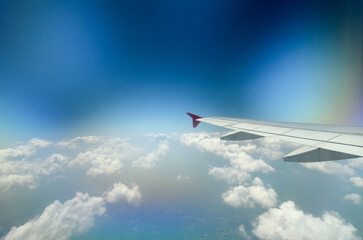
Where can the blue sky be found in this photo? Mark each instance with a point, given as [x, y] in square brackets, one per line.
[100, 67]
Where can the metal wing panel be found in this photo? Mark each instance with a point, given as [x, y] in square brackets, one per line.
[348, 139]
[274, 130]
[345, 139]
[319, 127]
[309, 134]
[217, 122]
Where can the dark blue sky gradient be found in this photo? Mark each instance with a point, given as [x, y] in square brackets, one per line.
[85, 67]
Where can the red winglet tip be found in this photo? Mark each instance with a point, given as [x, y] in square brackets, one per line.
[194, 117]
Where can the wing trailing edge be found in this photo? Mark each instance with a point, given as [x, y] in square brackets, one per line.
[240, 136]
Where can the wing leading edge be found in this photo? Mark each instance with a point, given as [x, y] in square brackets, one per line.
[322, 142]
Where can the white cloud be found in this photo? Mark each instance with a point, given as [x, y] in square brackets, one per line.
[273, 149]
[150, 160]
[331, 168]
[243, 232]
[181, 177]
[23, 150]
[250, 196]
[107, 158]
[238, 155]
[106, 166]
[25, 163]
[26, 172]
[67, 144]
[60, 221]
[36, 142]
[87, 139]
[242, 165]
[231, 175]
[54, 162]
[121, 191]
[7, 181]
[355, 198]
[15, 152]
[158, 135]
[288, 222]
[251, 165]
[78, 142]
[357, 181]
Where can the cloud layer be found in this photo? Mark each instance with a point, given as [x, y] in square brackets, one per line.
[25, 164]
[28, 164]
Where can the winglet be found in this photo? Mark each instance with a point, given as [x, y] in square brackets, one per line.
[194, 117]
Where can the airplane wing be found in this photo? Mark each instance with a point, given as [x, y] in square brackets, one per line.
[321, 142]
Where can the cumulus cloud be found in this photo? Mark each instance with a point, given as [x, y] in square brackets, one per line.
[18, 151]
[150, 160]
[288, 222]
[355, 198]
[23, 150]
[24, 164]
[250, 196]
[10, 180]
[78, 142]
[87, 139]
[357, 181]
[158, 135]
[36, 142]
[122, 192]
[60, 221]
[105, 159]
[54, 162]
[238, 155]
[26, 172]
[273, 149]
[242, 164]
[230, 174]
[266, 148]
[21, 165]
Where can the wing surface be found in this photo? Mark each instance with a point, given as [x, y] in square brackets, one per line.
[323, 142]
